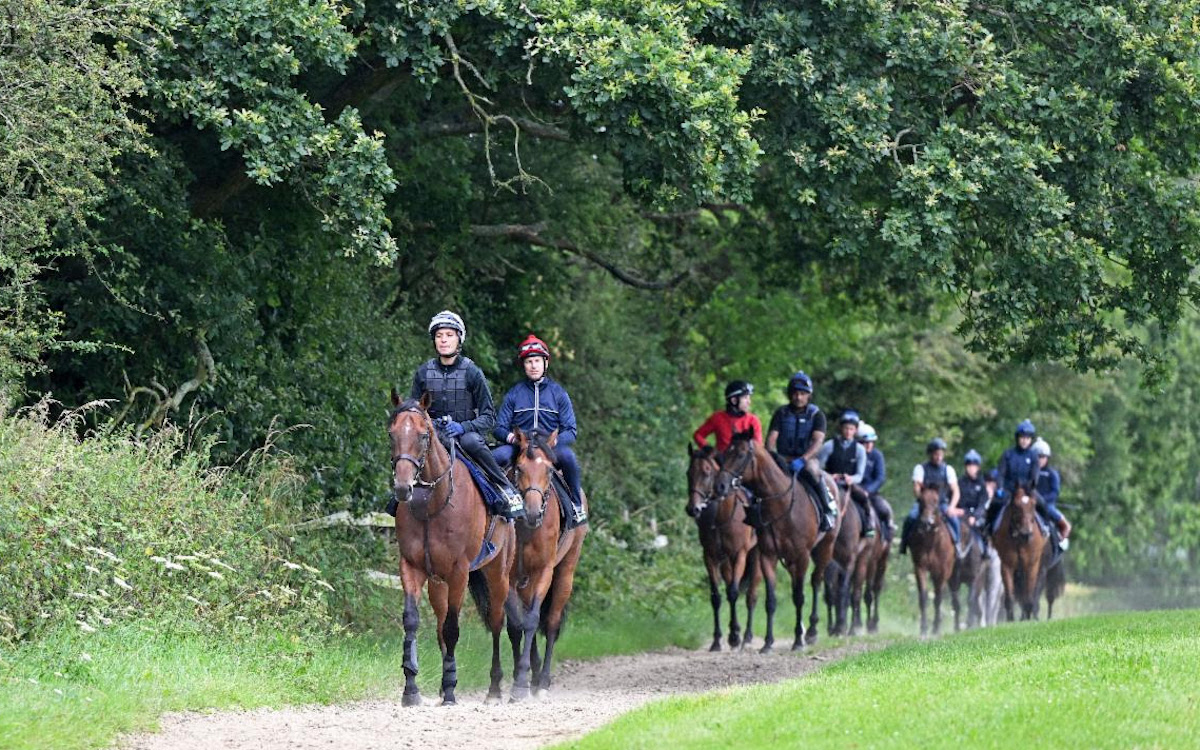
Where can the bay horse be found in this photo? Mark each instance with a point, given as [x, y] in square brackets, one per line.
[728, 542]
[789, 530]
[543, 567]
[1020, 543]
[875, 565]
[1055, 575]
[847, 570]
[978, 568]
[932, 551]
[441, 525]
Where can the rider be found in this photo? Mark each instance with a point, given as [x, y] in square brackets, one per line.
[1048, 486]
[461, 405]
[874, 477]
[539, 403]
[934, 473]
[973, 489]
[1018, 467]
[846, 460]
[796, 433]
[735, 418]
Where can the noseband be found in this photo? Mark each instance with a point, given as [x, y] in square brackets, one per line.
[544, 492]
[425, 440]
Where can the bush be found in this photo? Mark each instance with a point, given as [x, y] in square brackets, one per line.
[108, 528]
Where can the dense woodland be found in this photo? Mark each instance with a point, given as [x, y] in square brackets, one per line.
[240, 214]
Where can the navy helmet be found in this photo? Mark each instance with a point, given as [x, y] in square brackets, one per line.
[800, 382]
[937, 444]
[993, 475]
[849, 416]
[1026, 428]
[973, 457]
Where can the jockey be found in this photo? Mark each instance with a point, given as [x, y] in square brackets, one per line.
[934, 473]
[796, 433]
[846, 460]
[1048, 485]
[874, 477]
[735, 418]
[974, 492]
[539, 403]
[461, 403]
[1018, 467]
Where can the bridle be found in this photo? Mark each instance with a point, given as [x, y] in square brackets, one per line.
[544, 492]
[425, 440]
[704, 497]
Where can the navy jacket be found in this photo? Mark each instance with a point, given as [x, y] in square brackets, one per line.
[876, 472]
[543, 404]
[1017, 467]
[1048, 485]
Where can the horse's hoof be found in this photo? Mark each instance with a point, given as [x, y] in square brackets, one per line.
[519, 695]
[541, 694]
[449, 701]
[798, 645]
[811, 638]
[716, 646]
[493, 699]
[766, 649]
[734, 640]
[410, 699]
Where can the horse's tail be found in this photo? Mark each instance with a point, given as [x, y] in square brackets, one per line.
[478, 585]
[544, 616]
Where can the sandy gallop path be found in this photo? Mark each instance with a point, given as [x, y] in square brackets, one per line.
[586, 695]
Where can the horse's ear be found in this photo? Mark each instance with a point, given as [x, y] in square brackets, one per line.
[395, 398]
[744, 435]
[553, 439]
[519, 440]
[691, 449]
[426, 400]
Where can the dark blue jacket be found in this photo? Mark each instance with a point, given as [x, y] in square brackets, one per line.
[1017, 467]
[543, 404]
[1048, 485]
[876, 472]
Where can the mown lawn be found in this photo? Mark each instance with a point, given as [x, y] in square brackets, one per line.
[1129, 680]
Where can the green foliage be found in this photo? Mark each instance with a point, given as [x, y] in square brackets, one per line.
[107, 529]
[1021, 680]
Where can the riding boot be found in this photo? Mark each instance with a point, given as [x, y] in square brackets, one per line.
[510, 506]
[904, 535]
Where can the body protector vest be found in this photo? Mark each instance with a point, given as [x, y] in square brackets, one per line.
[844, 458]
[935, 476]
[972, 494]
[450, 390]
[795, 431]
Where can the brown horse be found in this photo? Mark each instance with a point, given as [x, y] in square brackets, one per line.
[932, 551]
[789, 531]
[848, 569]
[728, 542]
[441, 524]
[877, 565]
[1020, 543]
[543, 568]
[1054, 573]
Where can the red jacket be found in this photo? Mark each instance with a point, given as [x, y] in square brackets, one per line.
[725, 425]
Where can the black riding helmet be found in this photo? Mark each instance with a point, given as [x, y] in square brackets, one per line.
[737, 389]
[937, 444]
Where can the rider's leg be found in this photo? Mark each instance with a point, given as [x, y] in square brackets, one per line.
[1052, 513]
[570, 469]
[952, 522]
[503, 455]
[829, 517]
[909, 522]
[859, 495]
[474, 447]
[884, 510]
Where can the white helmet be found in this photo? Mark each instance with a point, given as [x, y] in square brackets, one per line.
[866, 433]
[1041, 448]
[447, 319]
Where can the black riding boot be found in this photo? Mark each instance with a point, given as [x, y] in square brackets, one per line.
[473, 445]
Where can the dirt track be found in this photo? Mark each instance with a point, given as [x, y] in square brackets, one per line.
[586, 695]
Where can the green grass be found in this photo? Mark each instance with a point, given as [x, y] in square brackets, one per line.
[74, 690]
[1125, 680]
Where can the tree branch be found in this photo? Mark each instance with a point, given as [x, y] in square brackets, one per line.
[531, 127]
[531, 234]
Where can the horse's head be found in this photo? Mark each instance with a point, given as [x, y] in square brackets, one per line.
[1022, 520]
[533, 464]
[411, 433]
[929, 506]
[701, 476]
[738, 464]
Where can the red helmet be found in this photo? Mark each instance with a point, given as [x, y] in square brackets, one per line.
[532, 346]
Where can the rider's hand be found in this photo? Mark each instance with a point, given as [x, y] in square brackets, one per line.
[1000, 493]
[454, 429]
[956, 512]
[512, 438]
[797, 464]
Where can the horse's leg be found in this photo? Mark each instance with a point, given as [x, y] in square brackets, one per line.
[496, 574]
[919, 572]
[447, 604]
[856, 590]
[822, 555]
[562, 585]
[798, 570]
[714, 597]
[755, 572]
[995, 590]
[1008, 582]
[767, 564]
[737, 569]
[939, 587]
[413, 579]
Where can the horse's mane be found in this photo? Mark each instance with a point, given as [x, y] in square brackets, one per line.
[535, 440]
[705, 451]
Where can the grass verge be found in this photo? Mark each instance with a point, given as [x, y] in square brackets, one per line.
[1106, 681]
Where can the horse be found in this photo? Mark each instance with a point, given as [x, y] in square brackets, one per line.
[978, 568]
[1020, 543]
[729, 545]
[847, 571]
[441, 526]
[543, 568]
[789, 530]
[1055, 575]
[932, 551]
[876, 574]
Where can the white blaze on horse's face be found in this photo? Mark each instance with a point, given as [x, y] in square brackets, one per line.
[1025, 500]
